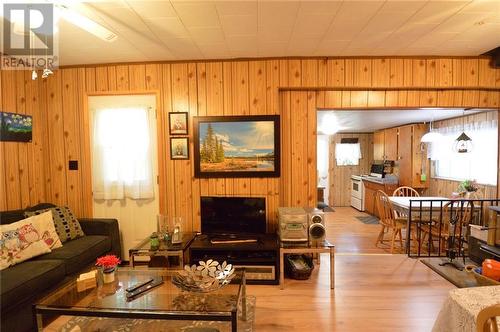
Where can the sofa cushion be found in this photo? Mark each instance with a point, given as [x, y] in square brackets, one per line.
[31, 277]
[21, 241]
[80, 252]
[8, 217]
[67, 226]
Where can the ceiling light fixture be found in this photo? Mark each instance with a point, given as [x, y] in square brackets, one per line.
[431, 136]
[330, 125]
[87, 24]
[463, 143]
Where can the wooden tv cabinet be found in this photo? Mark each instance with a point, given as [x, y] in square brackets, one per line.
[260, 259]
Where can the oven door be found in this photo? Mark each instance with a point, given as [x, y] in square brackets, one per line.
[357, 188]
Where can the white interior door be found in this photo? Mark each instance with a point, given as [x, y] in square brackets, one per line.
[136, 217]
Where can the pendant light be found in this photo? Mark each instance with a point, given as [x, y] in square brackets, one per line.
[463, 143]
[431, 135]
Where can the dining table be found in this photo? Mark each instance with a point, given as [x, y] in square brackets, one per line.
[461, 307]
[421, 208]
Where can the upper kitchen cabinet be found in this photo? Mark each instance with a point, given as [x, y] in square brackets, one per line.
[391, 143]
[378, 145]
[412, 157]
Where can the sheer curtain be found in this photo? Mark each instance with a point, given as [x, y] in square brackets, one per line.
[122, 160]
[479, 165]
[347, 154]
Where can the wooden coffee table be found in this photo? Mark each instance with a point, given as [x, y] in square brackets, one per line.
[165, 302]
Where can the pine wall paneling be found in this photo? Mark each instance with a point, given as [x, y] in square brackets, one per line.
[294, 88]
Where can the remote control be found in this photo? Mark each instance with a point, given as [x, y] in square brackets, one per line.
[139, 285]
[142, 289]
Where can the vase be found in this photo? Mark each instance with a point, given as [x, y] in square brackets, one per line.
[108, 277]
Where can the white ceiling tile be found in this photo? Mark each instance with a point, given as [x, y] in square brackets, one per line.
[320, 7]
[312, 23]
[242, 41]
[437, 11]
[357, 11]
[207, 35]
[402, 6]
[123, 19]
[234, 25]
[434, 40]
[274, 34]
[332, 47]
[344, 31]
[153, 9]
[168, 27]
[248, 7]
[197, 13]
[276, 13]
[482, 6]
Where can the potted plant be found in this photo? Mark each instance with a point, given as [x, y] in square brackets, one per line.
[108, 265]
[467, 187]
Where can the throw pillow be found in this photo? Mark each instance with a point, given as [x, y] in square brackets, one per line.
[67, 226]
[20, 241]
[44, 224]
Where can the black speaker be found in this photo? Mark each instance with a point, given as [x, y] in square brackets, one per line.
[495, 57]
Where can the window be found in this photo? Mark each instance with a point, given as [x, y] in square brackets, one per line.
[347, 154]
[122, 154]
[479, 165]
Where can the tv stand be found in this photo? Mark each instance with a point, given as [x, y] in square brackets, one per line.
[260, 258]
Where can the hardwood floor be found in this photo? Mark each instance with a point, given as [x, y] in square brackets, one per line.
[376, 292]
[351, 235]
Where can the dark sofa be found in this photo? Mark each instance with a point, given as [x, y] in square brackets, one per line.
[23, 284]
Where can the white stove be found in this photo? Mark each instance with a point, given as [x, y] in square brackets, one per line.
[357, 192]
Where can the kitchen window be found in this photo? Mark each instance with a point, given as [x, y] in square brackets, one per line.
[479, 165]
[347, 154]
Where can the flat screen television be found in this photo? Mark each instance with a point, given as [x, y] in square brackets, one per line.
[237, 216]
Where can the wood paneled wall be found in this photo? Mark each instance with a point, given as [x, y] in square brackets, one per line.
[340, 176]
[294, 88]
[442, 187]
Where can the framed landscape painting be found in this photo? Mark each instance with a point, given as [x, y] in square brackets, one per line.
[15, 127]
[237, 146]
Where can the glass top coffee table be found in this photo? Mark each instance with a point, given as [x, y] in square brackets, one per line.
[165, 249]
[165, 302]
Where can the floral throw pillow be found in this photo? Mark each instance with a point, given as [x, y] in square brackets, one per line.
[20, 241]
[66, 224]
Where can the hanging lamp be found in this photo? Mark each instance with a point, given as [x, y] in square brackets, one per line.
[463, 143]
[431, 135]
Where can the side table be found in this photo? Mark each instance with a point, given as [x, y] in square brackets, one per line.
[326, 247]
[165, 249]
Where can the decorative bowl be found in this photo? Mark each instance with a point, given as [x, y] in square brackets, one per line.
[206, 277]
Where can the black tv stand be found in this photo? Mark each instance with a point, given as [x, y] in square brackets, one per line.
[260, 258]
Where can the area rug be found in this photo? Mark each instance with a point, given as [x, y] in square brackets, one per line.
[461, 279]
[369, 220]
[99, 324]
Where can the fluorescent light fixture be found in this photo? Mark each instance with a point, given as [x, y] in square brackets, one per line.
[87, 24]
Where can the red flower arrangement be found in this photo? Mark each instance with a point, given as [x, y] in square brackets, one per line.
[108, 262]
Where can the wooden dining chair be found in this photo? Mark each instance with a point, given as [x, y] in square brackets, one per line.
[405, 191]
[388, 220]
[440, 230]
[487, 319]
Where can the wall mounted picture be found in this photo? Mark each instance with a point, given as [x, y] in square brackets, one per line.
[179, 148]
[178, 123]
[237, 146]
[15, 127]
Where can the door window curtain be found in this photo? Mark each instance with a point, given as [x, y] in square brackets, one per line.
[479, 165]
[122, 159]
[347, 154]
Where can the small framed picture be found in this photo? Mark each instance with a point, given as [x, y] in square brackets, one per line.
[178, 123]
[179, 148]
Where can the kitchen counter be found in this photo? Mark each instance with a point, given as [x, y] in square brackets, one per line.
[379, 181]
